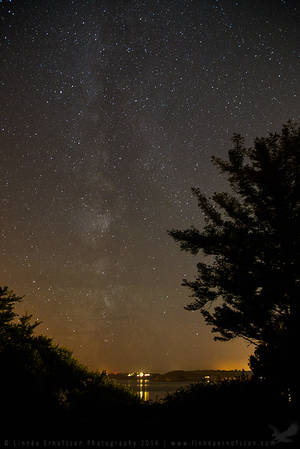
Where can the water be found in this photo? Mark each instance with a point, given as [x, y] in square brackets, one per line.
[152, 391]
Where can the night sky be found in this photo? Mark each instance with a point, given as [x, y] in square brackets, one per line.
[110, 112]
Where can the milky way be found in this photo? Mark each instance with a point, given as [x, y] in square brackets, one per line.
[110, 113]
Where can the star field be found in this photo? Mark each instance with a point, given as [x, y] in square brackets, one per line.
[109, 113]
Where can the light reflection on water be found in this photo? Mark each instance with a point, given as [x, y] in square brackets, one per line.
[153, 391]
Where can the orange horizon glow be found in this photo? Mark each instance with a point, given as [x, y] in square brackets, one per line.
[222, 368]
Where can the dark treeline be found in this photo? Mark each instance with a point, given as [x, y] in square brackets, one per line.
[47, 393]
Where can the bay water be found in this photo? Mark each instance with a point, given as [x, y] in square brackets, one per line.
[152, 391]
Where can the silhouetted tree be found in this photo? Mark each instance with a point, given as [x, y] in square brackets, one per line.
[251, 288]
[36, 375]
[44, 387]
[46, 393]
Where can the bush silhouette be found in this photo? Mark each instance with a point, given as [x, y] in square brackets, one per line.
[45, 389]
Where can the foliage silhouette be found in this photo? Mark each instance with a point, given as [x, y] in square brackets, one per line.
[44, 387]
[229, 410]
[47, 394]
[251, 289]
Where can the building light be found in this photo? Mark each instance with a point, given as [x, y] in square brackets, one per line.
[139, 374]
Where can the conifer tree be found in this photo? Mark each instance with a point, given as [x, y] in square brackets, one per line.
[251, 289]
